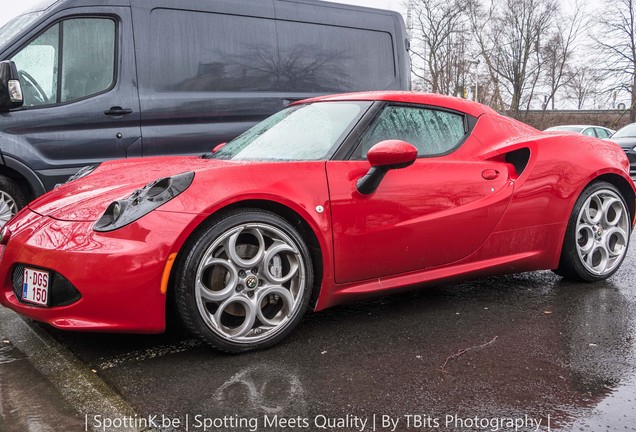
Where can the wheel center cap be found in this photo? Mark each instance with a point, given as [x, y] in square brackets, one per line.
[251, 282]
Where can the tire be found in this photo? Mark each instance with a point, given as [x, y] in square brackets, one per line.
[11, 199]
[597, 235]
[243, 281]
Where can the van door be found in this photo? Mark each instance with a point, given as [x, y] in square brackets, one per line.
[81, 104]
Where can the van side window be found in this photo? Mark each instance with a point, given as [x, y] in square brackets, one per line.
[217, 52]
[322, 58]
[432, 132]
[71, 60]
[213, 52]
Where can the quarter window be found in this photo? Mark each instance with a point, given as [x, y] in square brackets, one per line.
[71, 60]
[431, 131]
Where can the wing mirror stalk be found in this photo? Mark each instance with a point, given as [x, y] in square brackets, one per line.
[385, 156]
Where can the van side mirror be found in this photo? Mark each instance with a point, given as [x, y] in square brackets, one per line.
[10, 88]
[385, 156]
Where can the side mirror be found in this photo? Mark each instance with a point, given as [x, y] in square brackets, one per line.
[10, 89]
[385, 156]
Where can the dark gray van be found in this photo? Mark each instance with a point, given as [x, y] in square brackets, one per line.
[82, 81]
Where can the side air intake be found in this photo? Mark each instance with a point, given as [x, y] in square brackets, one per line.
[519, 158]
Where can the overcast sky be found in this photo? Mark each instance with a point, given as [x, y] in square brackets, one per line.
[11, 9]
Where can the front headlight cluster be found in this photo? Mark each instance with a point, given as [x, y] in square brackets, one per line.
[141, 202]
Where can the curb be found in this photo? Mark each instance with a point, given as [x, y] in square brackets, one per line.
[77, 384]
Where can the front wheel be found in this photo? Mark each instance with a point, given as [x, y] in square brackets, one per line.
[244, 280]
[597, 235]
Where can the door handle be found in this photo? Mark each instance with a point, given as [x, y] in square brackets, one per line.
[490, 174]
[117, 111]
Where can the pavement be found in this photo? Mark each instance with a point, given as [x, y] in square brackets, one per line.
[44, 387]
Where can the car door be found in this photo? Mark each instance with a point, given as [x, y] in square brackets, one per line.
[81, 105]
[435, 212]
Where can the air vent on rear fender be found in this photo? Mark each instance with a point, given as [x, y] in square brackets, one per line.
[519, 158]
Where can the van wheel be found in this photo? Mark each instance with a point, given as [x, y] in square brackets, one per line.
[11, 199]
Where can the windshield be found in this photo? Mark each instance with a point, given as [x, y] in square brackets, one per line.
[627, 131]
[303, 132]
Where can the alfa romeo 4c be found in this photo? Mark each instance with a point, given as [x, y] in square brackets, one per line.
[330, 200]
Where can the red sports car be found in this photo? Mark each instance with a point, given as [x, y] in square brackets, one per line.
[330, 200]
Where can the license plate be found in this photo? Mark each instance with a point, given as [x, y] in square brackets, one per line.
[35, 288]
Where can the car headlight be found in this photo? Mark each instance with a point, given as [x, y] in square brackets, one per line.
[141, 202]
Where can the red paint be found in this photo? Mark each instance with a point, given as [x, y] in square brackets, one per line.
[464, 215]
[391, 152]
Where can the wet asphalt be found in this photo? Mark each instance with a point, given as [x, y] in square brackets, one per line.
[471, 356]
[27, 400]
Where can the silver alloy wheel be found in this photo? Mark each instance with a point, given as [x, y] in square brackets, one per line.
[250, 283]
[602, 232]
[8, 208]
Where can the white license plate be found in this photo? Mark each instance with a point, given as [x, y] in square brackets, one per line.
[35, 288]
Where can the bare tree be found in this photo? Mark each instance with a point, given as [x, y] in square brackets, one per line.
[616, 43]
[557, 52]
[480, 20]
[438, 42]
[509, 34]
[583, 84]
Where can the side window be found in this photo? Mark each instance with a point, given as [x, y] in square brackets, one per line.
[431, 131]
[589, 132]
[212, 52]
[601, 133]
[322, 58]
[71, 60]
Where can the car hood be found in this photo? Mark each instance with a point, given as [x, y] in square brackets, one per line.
[86, 199]
[626, 143]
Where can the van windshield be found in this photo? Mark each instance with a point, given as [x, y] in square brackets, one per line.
[15, 26]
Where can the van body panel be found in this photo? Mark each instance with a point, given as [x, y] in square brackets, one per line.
[187, 75]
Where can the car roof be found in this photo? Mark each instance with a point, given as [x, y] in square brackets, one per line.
[449, 102]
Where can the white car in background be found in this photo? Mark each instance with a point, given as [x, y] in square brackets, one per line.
[590, 130]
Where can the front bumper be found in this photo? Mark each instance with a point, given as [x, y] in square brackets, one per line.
[118, 274]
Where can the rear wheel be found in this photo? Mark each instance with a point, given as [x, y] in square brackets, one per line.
[11, 199]
[244, 280]
[597, 235]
